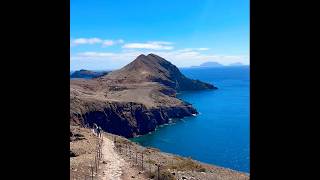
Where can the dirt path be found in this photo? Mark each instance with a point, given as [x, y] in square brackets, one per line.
[116, 168]
[114, 163]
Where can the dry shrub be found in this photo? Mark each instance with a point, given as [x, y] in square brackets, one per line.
[187, 164]
[164, 175]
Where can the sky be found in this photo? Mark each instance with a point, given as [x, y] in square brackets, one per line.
[108, 34]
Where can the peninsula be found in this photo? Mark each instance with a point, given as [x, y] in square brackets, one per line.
[135, 99]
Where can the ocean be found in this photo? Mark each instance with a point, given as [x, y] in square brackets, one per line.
[219, 135]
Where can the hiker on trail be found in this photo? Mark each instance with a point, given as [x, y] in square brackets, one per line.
[95, 129]
[99, 131]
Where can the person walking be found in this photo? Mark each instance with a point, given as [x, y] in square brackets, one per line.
[99, 131]
[95, 129]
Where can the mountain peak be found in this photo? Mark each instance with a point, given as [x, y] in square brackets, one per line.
[154, 55]
[153, 68]
[141, 56]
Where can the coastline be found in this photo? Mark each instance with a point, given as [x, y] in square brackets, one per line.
[166, 141]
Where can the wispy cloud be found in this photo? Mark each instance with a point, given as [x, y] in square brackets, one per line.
[154, 45]
[95, 54]
[112, 42]
[202, 49]
[91, 41]
[81, 41]
[192, 49]
[180, 57]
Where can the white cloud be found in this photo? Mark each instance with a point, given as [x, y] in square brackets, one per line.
[154, 45]
[108, 43]
[161, 42]
[202, 49]
[111, 42]
[81, 41]
[193, 49]
[91, 41]
[95, 54]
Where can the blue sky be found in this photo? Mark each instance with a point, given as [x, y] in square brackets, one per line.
[107, 34]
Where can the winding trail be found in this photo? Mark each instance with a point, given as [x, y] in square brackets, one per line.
[116, 168]
[114, 163]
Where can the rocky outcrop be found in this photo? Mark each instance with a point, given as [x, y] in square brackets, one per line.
[133, 100]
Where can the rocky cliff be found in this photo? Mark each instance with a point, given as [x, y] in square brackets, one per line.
[133, 100]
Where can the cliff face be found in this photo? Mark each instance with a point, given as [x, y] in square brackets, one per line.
[130, 119]
[133, 100]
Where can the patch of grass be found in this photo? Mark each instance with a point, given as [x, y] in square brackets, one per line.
[152, 149]
[202, 169]
[150, 161]
[164, 175]
[151, 175]
[186, 164]
[123, 141]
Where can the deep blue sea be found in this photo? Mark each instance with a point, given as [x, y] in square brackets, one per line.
[219, 135]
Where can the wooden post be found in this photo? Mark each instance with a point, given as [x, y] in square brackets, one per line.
[142, 161]
[136, 157]
[129, 152]
[91, 171]
[149, 165]
[127, 149]
[95, 161]
[99, 150]
[158, 165]
[97, 155]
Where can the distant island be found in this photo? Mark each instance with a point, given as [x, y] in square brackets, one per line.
[211, 64]
[236, 64]
[87, 74]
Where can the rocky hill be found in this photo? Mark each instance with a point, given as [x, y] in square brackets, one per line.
[134, 99]
[153, 68]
